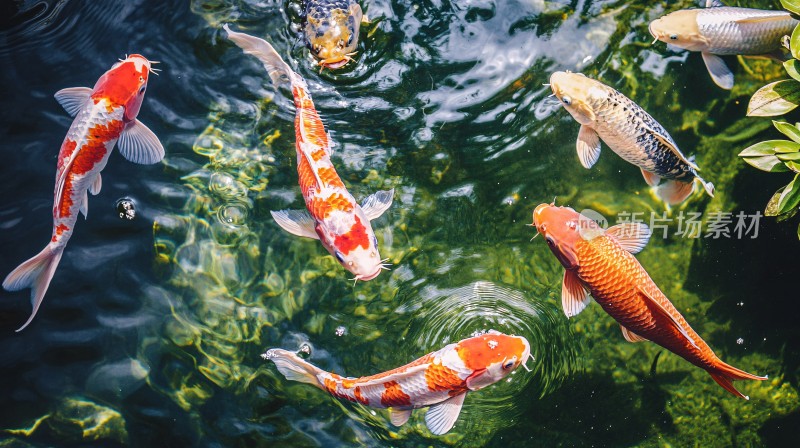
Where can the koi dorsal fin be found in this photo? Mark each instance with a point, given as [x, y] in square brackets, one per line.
[658, 307]
[714, 4]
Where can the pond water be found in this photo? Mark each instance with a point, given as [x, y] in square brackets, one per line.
[151, 331]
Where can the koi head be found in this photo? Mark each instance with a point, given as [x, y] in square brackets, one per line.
[492, 356]
[562, 229]
[354, 245]
[577, 93]
[679, 28]
[124, 84]
[333, 39]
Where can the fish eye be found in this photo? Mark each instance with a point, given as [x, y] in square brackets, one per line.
[141, 90]
[375, 240]
[510, 363]
[566, 100]
[339, 256]
[550, 241]
[673, 36]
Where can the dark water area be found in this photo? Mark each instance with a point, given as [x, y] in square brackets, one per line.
[151, 330]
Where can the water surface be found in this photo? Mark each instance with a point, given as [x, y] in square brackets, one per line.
[151, 331]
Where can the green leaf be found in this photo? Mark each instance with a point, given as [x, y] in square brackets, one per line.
[794, 166]
[788, 157]
[794, 42]
[798, 231]
[776, 98]
[770, 147]
[792, 67]
[788, 130]
[791, 5]
[790, 197]
[772, 205]
[770, 164]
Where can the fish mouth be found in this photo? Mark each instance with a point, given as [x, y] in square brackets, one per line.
[336, 62]
[364, 278]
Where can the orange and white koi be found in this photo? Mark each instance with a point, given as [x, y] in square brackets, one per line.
[723, 30]
[104, 116]
[600, 263]
[439, 380]
[604, 113]
[333, 216]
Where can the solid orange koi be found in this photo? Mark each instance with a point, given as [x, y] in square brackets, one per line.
[600, 264]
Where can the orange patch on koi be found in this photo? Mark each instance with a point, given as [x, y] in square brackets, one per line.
[359, 397]
[329, 177]
[357, 236]
[394, 396]
[318, 154]
[439, 377]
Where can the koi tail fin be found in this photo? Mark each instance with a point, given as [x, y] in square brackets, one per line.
[293, 367]
[36, 274]
[725, 374]
[279, 71]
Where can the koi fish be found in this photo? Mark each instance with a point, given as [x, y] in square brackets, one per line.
[723, 30]
[629, 131]
[332, 216]
[331, 30]
[439, 380]
[104, 116]
[600, 263]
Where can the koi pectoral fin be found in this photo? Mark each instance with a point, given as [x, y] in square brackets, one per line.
[377, 203]
[139, 144]
[719, 71]
[296, 222]
[441, 417]
[588, 146]
[574, 296]
[72, 99]
[399, 417]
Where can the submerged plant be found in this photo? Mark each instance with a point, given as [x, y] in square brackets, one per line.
[776, 156]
